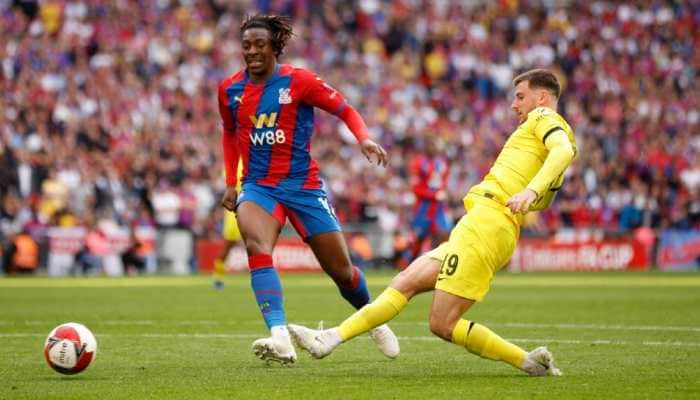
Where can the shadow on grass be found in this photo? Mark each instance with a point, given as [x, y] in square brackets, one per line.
[342, 369]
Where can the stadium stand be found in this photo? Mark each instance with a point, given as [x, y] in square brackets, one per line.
[108, 109]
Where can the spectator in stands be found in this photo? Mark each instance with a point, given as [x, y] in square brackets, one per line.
[99, 84]
[21, 255]
[90, 258]
[132, 258]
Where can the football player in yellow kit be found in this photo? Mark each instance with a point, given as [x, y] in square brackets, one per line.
[525, 177]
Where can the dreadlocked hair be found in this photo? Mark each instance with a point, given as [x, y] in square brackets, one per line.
[279, 26]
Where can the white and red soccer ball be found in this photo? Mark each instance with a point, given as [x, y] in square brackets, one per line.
[70, 348]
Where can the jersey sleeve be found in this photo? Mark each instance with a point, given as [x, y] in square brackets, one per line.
[320, 94]
[228, 138]
[227, 118]
[550, 130]
[550, 177]
[545, 122]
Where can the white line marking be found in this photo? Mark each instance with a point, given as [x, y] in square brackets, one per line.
[602, 327]
[674, 343]
[578, 326]
[403, 338]
[199, 335]
[314, 323]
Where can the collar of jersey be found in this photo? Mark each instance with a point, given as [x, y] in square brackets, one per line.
[272, 77]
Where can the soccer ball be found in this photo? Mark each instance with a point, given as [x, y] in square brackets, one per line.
[70, 348]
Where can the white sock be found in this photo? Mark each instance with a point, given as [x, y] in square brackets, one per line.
[332, 337]
[280, 332]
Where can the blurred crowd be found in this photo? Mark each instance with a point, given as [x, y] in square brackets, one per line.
[108, 110]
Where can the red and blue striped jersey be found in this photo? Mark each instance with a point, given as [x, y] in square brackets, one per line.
[429, 176]
[269, 125]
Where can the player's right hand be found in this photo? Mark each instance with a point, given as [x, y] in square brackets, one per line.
[229, 199]
[369, 147]
[521, 201]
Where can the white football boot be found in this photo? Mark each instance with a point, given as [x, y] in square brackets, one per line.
[386, 340]
[277, 348]
[540, 362]
[319, 343]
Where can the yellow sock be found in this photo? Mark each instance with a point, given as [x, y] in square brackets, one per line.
[219, 268]
[385, 307]
[483, 342]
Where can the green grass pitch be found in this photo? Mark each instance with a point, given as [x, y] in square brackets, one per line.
[634, 335]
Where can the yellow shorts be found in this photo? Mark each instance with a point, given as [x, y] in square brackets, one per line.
[230, 230]
[480, 244]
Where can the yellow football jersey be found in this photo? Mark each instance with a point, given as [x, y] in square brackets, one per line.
[522, 157]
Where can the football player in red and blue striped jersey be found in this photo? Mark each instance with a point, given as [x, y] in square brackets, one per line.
[268, 119]
[429, 173]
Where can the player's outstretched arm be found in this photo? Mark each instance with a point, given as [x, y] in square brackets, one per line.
[320, 94]
[357, 126]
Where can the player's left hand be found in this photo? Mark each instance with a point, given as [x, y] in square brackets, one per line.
[369, 147]
[521, 201]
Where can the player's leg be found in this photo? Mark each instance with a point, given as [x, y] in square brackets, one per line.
[420, 228]
[312, 216]
[441, 226]
[259, 220]
[479, 245]
[466, 271]
[415, 247]
[220, 265]
[332, 254]
[446, 322]
[260, 231]
[231, 235]
[417, 278]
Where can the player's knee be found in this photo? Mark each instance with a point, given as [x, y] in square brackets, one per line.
[440, 327]
[342, 275]
[404, 283]
[254, 246]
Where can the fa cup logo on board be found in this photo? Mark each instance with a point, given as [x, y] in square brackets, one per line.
[285, 97]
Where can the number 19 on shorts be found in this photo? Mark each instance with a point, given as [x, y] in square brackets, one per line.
[449, 265]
